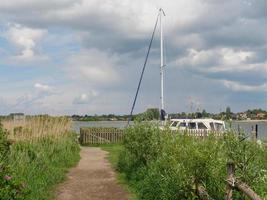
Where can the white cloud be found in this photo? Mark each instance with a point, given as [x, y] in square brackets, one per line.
[236, 86]
[85, 98]
[218, 60]
[42, 87]
[232, 57]
[94, 67]
[25, 39]
[220, 45]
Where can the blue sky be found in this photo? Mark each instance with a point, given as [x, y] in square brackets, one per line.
[85, 56]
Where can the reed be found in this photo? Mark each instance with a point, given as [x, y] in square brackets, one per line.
[34, 156]
[37, 127]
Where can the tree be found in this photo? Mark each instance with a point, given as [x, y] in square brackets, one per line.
[228, 112]
[150, 114]
[204, 113]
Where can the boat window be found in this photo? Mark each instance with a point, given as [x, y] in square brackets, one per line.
[212, 126]
[218, 127]
[174, 124]
[201, 125]
[182, 124]
[192, 125]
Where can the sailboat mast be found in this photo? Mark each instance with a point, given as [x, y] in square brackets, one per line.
[161, 60]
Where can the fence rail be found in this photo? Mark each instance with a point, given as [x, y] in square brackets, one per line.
[95, 135]
[105, 135]
[232, 184]
[199, 133]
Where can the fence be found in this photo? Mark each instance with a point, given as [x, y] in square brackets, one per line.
[200, 133]
[232, 183]
[96, 135]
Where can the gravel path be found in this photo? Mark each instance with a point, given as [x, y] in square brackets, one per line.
[92, 179]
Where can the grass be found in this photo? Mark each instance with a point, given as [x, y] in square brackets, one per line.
[38, 157]
[162, 165]
[33, 128]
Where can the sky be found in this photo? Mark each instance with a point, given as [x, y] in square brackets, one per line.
[64, 57]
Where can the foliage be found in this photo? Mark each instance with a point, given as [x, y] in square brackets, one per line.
[43, 163]
[42, 149]
[10, 187]
[163, 165]
[37, 127]
[228, 112]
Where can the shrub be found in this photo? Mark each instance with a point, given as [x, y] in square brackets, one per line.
[10, 187]
[163, 165]
[43, 149]
[142, 145]
[43, 163]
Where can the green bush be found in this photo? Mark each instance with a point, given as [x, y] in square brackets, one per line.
[142, 145]
[10, 187]
[43, 163]
[30, 169]
[163, 165]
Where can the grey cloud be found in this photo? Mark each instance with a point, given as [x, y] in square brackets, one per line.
[237, 25]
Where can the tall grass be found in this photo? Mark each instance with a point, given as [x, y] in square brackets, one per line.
[40, 152]
[37, 127]
[163, 165]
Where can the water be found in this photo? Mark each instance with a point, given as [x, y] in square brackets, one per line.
[116, 124]
[244, 126]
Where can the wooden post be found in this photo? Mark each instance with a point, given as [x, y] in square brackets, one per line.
[247, 191]
[256, 132]
[253, 133]
[230, 178]
[202, 193]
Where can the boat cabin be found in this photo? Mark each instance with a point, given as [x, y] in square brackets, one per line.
[197, 124]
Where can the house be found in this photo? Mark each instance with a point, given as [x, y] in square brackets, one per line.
[261, 115]
[242, 115]
[18, 117]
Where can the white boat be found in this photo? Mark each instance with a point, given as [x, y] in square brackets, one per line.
[197, 125]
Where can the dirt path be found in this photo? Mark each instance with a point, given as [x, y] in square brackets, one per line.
[92, 179]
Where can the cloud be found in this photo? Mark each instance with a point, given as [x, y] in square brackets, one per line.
[209, 53]
[93, 67]
[238, 87]
[25, 39]
[218, 59]
[42, 87]
[85, 98]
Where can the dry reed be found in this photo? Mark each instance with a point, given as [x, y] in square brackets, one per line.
[37, 127]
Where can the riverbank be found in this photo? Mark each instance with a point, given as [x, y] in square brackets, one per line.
[252, 121]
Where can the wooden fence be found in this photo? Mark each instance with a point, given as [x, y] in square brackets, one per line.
[232, 184]
[96, 135]
[199, 133]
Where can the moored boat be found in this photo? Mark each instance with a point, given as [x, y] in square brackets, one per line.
[197, 125]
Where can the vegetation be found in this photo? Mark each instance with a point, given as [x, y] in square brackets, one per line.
[36, 159]
[162, 165]
[113, 157]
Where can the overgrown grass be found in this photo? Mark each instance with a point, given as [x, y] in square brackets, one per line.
[33, 128]
[162, 165]
[37, 162]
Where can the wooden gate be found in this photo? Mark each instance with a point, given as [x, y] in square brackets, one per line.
[96, 135]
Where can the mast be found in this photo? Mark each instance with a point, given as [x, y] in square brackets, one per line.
[161, 61]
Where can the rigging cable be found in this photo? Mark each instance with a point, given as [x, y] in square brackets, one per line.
[143, 70]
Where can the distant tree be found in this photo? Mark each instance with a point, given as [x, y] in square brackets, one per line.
[152, 113]
[228, 112]
[204, 113]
